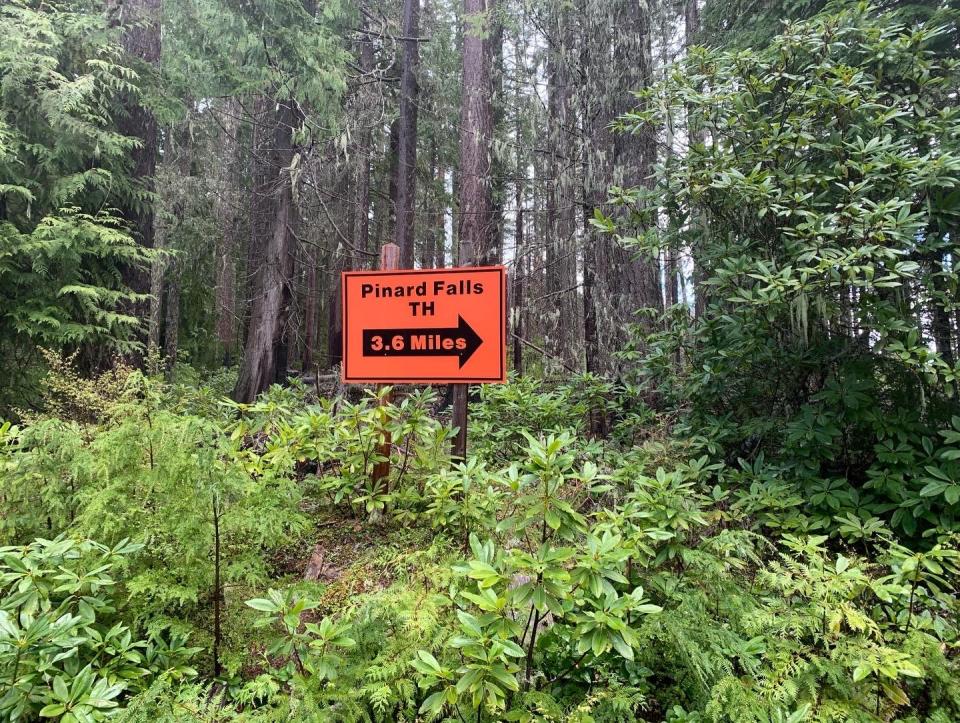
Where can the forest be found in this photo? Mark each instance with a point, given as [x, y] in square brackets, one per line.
[718, 481]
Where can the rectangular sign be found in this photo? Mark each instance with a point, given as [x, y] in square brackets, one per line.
[428, 326]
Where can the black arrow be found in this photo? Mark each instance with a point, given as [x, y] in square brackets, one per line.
[460, 341]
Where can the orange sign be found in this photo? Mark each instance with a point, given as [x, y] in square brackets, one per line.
[429, 326]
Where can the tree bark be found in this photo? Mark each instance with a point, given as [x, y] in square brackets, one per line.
[432, 195]
[691, 21]
[624, 281]
[518, 272]
[407, 135]
[173, 200]
[561, 319]
[440, 252]
[498, 187]
[264, 160]
[310, 311]
[140, 39]
[394, 161]
[171, 331]
[940, 316]
[670, 250]
[362, 224]
[476, 129]
[157, 270]
[691, 28]
[519, 250]
[475, 207]
[335, 312]
[264, 357]
[225, 272]
[591, 340]
[633, 163]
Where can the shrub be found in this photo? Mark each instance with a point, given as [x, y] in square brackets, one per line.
[64, 651]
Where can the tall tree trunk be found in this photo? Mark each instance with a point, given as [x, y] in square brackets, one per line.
[560, 274]
[157, 270]
[225, 271]
[173, 201]
[691, 29]
[407, 130]
[340, 259]
[171, 331]
[591, 336]
[328, 337]
[476, 130]
[310, 310]
[594, 62]
[430, 201]
[361, 226]
[182, 161]
[633, 162]
[498, 165]
[263, 174]
[625, 283]
[519, 250]
[335, 313]
[671, 251]
[266, 350]
[365, 105]
[940, 316]
[519, 255]
[440, 253]
[455, 217]
[385, 193]
[264, 357]
[691, 21]
[140, 39]
[394, 161]
[536, 240]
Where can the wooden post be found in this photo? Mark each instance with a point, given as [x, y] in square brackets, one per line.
[461, 392]
[389, 261]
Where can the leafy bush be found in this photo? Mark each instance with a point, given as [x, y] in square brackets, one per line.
[340, 447]
[528, 406]
[818, 194]
[578, 580]
[64, 651]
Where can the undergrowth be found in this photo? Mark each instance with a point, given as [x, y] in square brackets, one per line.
[551, 576]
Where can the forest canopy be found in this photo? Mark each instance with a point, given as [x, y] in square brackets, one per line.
[721, 481]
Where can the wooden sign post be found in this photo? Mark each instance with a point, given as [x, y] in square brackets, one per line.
[389, 261]
[425, 326]
[461, 394]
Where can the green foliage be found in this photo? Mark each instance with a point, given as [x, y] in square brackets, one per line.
[738, 24]
[567, 584]
[577, 581]
[819, 198]
[65, 653]
[531, 407]
[272, 46]
[308, 652]
[780, 545]
[175, 484]
[338, 445]
[63, 167]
